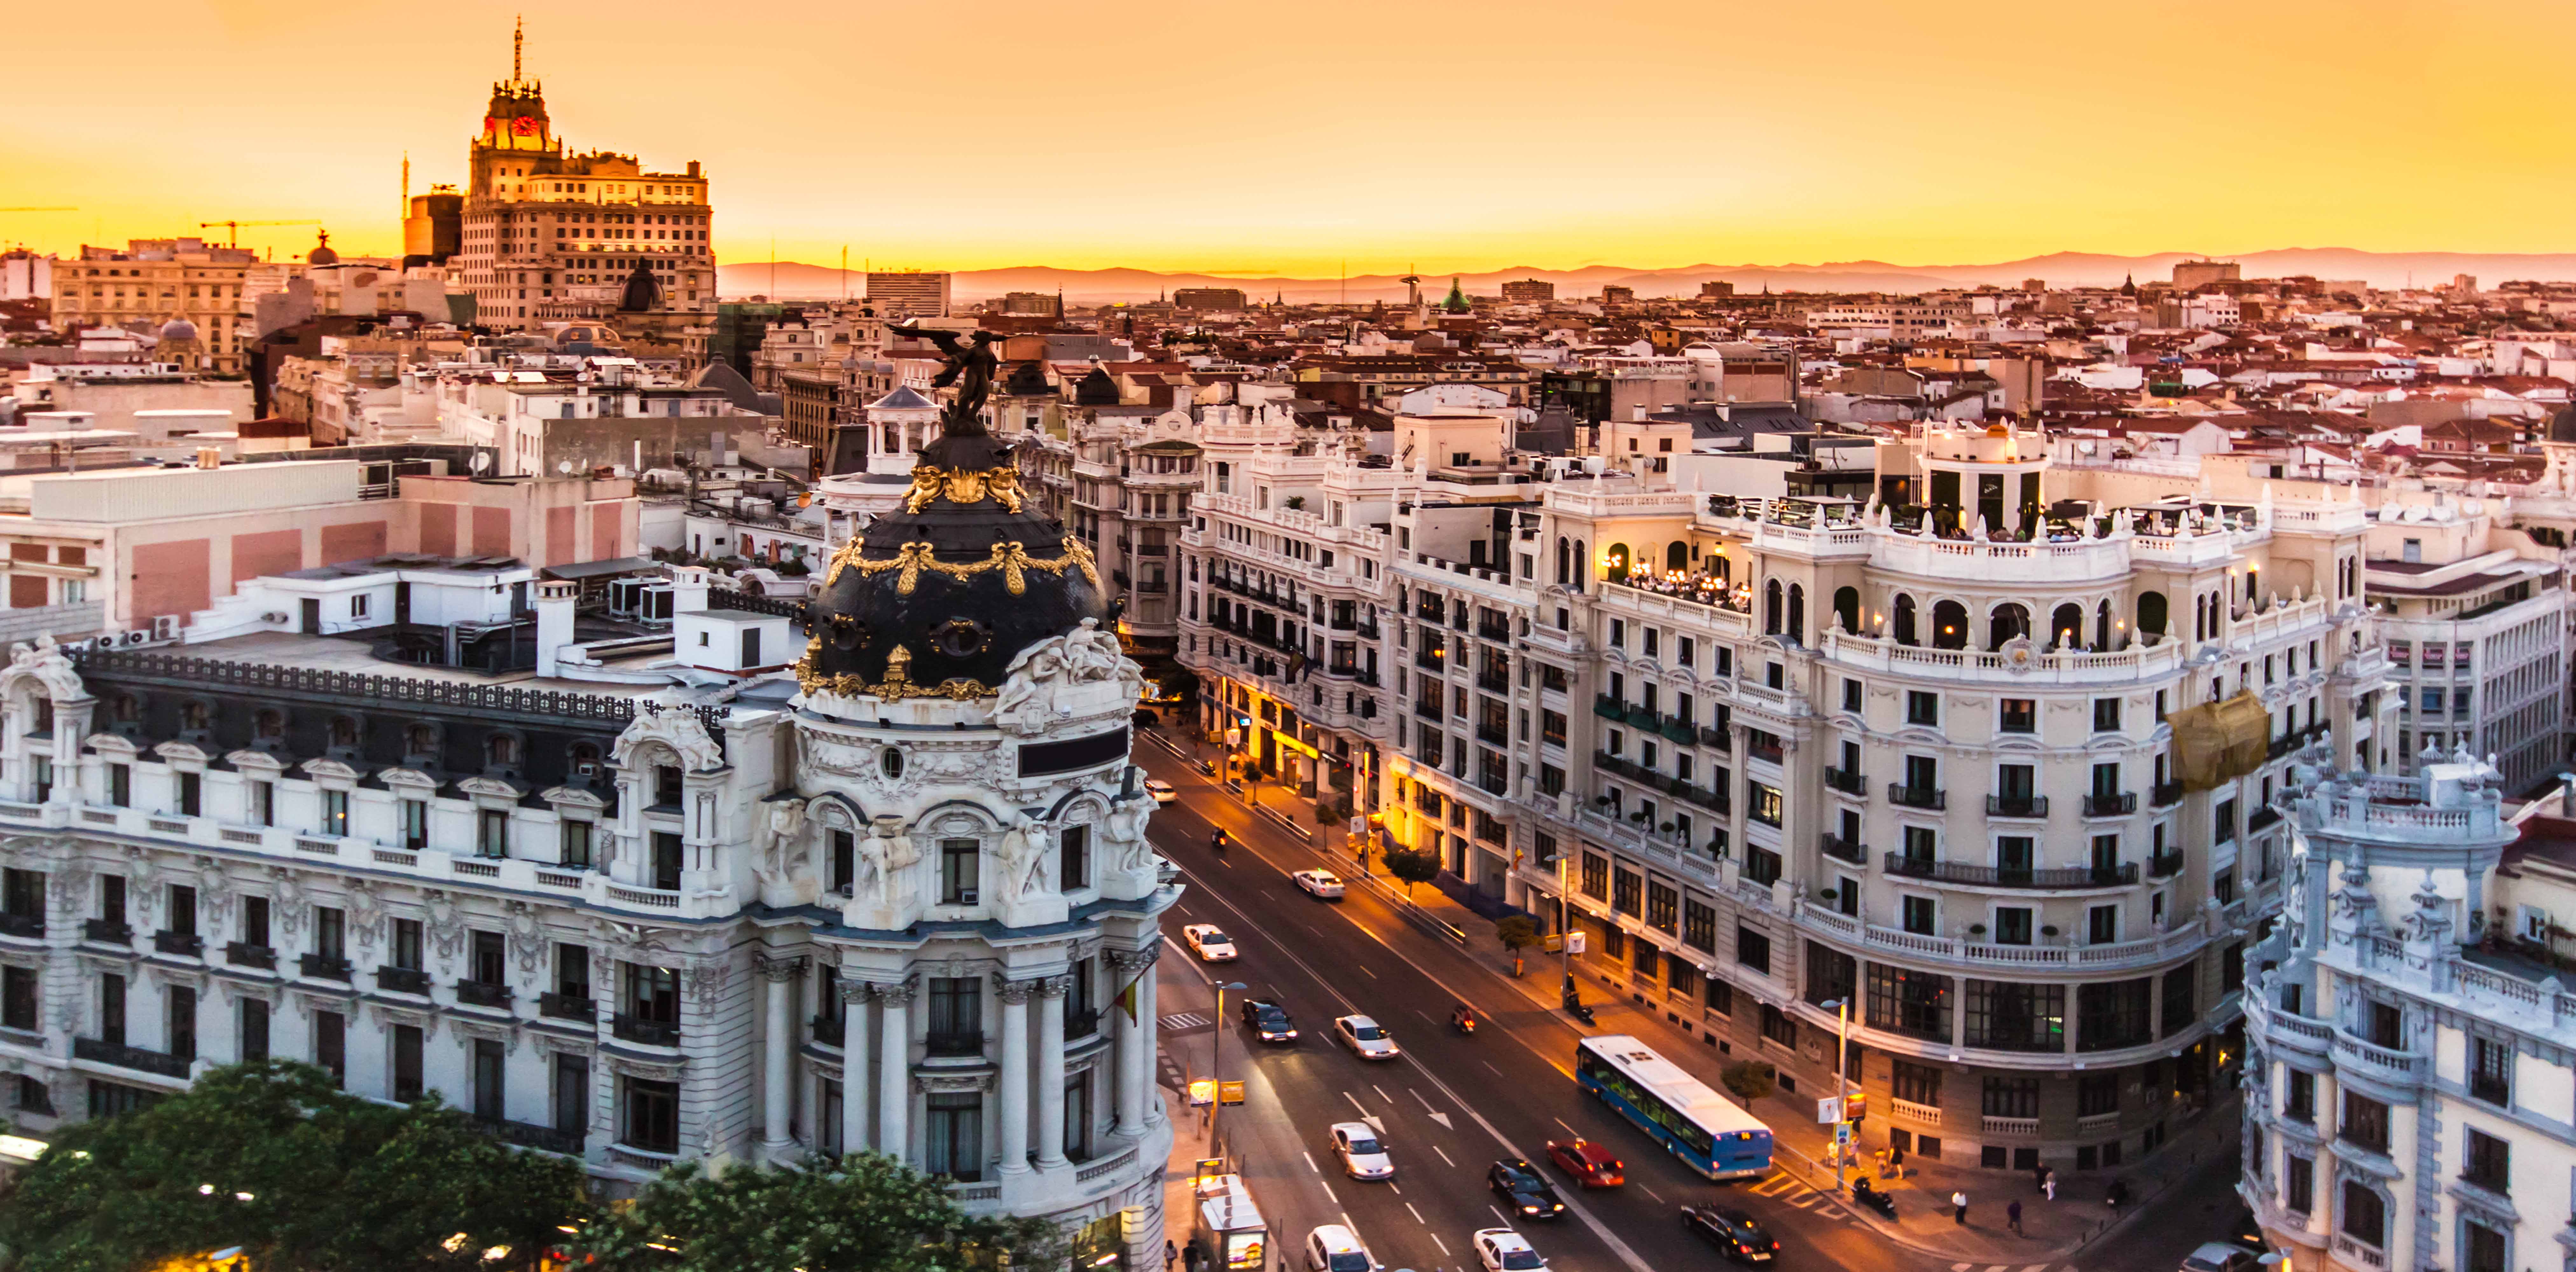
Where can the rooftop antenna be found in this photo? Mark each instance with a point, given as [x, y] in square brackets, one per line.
[518, 39]
[406, 184]
[845, 273]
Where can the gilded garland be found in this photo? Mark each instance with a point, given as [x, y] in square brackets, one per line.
[1011, 558]
[898, 681]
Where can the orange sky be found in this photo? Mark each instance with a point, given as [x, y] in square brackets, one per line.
[1266, 138]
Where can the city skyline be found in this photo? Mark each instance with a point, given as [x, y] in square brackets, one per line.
[1738, 139]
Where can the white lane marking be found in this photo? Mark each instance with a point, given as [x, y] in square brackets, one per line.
[1310, 1161]
[1381, 1093]
[1659, 1197]
[1417, 1218]
[1364, 967]
[1390, 1187]
[1499, 1216]
[1619, 1249]
[1444, 1156]
[1355, 1103]
[1328, 1191]
[1961, 1267]
[1561, 1122]
[1435, 1240]
[1499, 1073]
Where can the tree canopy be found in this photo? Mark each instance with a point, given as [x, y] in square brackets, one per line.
[273, 1158]
[863, 1213]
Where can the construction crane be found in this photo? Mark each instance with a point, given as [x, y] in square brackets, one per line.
[232, 229]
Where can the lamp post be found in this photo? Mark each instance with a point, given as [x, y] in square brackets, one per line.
[1216, 1067]
[1842, 1084]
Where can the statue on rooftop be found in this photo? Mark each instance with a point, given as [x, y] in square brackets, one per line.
[971, 364]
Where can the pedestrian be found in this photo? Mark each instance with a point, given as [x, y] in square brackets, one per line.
[1959, 1208]
[2119, 1195]
[1170, 1252]
[1190, 1257]
[2048, 1184]
[2012, 1216]
[2038, 1177]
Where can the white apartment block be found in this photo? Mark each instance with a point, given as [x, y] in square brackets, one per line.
[2408, 1075]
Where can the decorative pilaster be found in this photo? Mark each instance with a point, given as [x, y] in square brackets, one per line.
[778, 1052]
[1051, 1071]
[854, 1062]
[1015, 1073]
[1134, 1069]
[894, 1080]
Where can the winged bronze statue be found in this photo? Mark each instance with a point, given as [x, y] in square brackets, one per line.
[971, 364]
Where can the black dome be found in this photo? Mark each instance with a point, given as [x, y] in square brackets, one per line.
[2562, 426]
[643, 292]
[961, 579]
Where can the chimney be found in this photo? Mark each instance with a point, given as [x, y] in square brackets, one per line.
[556, 601]
[209, 457]
[688, 589]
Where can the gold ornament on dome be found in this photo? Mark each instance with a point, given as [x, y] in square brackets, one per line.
[1012, 559]
[958, 486]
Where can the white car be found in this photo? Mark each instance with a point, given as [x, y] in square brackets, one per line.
[1366, 1037]
[1362, 1156]
[1208, 943]
[1503, 1250]
[1161, 790]
[1322, 883]
[1334, 1248]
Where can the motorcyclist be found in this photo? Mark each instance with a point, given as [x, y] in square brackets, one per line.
[1463, 1017]
[1216, 839]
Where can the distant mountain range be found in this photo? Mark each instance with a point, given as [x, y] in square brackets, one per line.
[792, 280]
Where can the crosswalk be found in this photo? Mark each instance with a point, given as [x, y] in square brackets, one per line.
[1181, 1020]
[1782, 1187]
[2012, 1267]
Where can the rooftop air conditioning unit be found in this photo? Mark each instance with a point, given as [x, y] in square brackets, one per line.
[134, 638]
[273, 616]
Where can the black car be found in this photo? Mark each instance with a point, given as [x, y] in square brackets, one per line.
[1269, 1020]
[1528, 1193]
[2247, 1234]
[1733, 1231]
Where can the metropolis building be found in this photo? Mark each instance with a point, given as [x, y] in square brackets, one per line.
[892, 902]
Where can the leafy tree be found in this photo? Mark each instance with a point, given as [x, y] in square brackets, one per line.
[863, 1213]
[1749, 1080]
[273, 1158]
[1517, 932]
[1412, 867]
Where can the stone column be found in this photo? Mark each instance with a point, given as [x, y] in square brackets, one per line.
[1133, 1075]
[1148, 1027]
[1051, 1071]
[1015, 1073]
[854, 1063]
[894, 1083]
[778, 1054]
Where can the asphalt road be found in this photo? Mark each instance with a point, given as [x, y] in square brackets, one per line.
[1451, 1105]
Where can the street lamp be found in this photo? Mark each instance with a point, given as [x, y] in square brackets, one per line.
[1842, 1085]
[1216, 1056]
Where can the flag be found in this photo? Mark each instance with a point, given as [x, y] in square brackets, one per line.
[1127, 997]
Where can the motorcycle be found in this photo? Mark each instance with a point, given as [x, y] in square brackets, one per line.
[1865, 1195]
[1207, 768]
[1462, 1020]
[1216, 842]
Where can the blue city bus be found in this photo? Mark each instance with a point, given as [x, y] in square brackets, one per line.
[1699, 1126]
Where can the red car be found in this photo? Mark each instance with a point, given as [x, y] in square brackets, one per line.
[1591, 1165]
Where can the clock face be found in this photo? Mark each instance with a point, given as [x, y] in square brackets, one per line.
[523, 126]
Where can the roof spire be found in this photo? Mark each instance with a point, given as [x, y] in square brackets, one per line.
[518, 39]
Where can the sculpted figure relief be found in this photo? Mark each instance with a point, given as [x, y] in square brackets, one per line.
[51, 667]
[1087, 655]
[785, 828]
[1023, 858]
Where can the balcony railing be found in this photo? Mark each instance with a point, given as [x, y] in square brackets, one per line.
[965, 1043]
[2164, 794]
[101, 1051]
[653, 1033]
[322, 967]
[2262, 817]
[243, 954]
[482, 993]
[1679, 730]
[2109, 805]
[2164, 865]
[179, 944]
[1846, 849]
[1081, 1024]
[31, 925]
[2011, 876]
[1494, 734]
[402, 980]
[1722, 739]
[1847, 781]
[107, 932]
[1609, 708]
[2016, 806]
[1493, 682]
[1903, 796]
[531, 1135]
[567, 1007]
[1494, 631]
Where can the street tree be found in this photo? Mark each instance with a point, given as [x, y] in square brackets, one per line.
[275, 1159]
[1517, 932]
[865, 1212]
[1412, 867]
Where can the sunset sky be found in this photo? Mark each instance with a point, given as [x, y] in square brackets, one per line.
[1290, 138]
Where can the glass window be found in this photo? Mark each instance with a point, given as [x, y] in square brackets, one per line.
[2016, 1016]
[1913, 1003]
[1917, 1083]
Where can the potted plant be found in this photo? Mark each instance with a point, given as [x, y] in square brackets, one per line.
[1976, 929]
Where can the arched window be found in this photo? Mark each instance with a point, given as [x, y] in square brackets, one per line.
[269, 722]
[2152, 615]
[344, 733]
[1582, 553]
[2005, 622]
[1949, 625]
[421, 739]
[1771, 608]
[1721, 569]
[1562, 548]
[1614, 563]
[1677, 555]
[501, 750]
[1798, 613]
[195, 716]
[2066, 626]
[2102, 626]
[1847, 608]
[125, 708]
[1904, 624]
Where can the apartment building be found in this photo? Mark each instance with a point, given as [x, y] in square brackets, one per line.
[185, 287]
[2407, 1064]
[900, 294]
[2476, 619]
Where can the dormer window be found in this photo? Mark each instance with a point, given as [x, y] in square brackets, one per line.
[585, 760]
[344, 733]
[125, 708]
[269, 723]
[421, 740]
[501, 751]
[195, 717]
